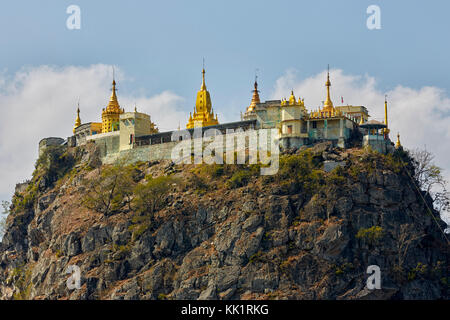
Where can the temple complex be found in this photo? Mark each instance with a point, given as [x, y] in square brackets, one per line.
[123, 132]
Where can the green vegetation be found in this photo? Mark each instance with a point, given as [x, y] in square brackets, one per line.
[111, 191]
[343, 268]
[256, 257]
[372, 234]
[51, 166]
[420, 270]
[435, 272]
[118, 187]
[162, 296]
[150, 195]
[336, 176]
[58, 253]
[54, 163]
[371, 160]
[198, 183]
[242, 176]
[22, 280]
[121, 249]
[300, 173]
[148, 198]
[25, 201]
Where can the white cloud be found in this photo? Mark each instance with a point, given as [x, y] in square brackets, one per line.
[421, 116]
[41, 102]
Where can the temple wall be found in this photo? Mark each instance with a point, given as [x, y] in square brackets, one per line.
[110, 146]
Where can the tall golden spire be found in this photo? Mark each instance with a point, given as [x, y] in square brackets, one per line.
[78, 120]
[386, 130]
[255, 97]
[328, 104]
[113, 105]
[111, 114]
[203, 114]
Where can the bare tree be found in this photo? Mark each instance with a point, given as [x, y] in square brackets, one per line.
[430, 179]
[6, 210]
[406, 235]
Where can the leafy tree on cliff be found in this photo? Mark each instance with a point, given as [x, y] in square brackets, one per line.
[111, 191]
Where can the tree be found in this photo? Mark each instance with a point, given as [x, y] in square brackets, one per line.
[150, 195]
[6, 210]
[430, 179]
[111, 191]
[406, 236]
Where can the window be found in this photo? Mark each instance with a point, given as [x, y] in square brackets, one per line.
[289, 129]
[314, 124]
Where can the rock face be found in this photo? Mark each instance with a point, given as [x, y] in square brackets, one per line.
[251, 242]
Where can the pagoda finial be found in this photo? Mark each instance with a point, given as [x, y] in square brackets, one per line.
[398, 144]
[386, 130]
[203, 87]
[255, 97]
[78, 120]
[328, 104]
[113, 93]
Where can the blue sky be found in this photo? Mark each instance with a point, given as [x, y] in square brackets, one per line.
[161, 43]
[158, 47]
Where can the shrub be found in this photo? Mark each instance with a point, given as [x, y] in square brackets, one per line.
[336, 176]
[343, 268]
[239, 179]
[300, 173]
[243, 175]
[26, 200]
[162, 296]
[198, 183]
[372, 234]
[150, 195]
[420, 269]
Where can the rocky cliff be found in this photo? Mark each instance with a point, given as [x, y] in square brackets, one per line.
[224, 232]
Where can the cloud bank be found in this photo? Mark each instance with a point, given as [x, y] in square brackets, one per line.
[41, 102]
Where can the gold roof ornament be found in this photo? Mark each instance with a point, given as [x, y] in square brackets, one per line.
[361, 120]
[328, 104]
[292, 98]
[398, 144]
[255, 97]
[111, 114]
[113, 104]
[78, 120]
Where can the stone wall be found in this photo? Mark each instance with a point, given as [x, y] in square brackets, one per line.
[164, 150]
[108, 142]
[47, 142]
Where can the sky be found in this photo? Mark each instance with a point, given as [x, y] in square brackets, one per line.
[157, 49]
